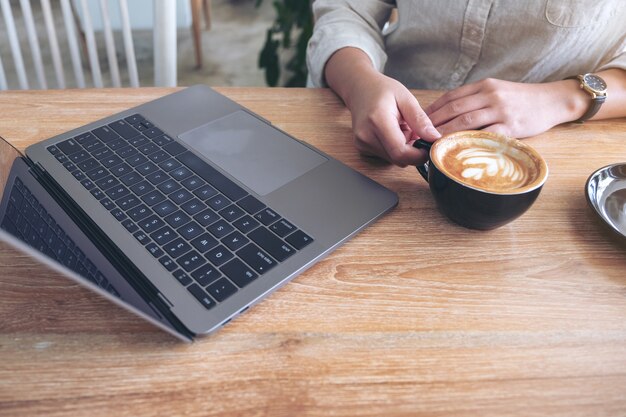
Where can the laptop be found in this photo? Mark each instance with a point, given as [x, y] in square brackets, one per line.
[185, 210]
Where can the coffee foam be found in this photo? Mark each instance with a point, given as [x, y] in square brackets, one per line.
[487, 164]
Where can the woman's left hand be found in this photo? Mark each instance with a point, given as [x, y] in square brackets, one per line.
[513, 109]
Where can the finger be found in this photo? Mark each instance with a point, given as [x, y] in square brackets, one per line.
[457, 107]
[452, 95]
[392, 139]
[499, 128]
[469, 121]
[371, 147]
[415, 117]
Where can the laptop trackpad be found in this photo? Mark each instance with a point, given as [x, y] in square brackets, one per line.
[255, 153]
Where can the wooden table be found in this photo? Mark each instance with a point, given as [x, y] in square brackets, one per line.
[414, 316]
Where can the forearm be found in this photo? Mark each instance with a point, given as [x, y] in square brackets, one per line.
[346, 69]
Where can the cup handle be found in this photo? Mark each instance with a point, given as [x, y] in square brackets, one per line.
[423, 169]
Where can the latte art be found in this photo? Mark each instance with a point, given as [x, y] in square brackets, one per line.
[480, 163]
[486, 163]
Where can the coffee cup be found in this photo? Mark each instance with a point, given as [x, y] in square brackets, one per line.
[482, 180]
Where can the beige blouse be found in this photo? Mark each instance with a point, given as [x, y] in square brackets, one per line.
[442, 44]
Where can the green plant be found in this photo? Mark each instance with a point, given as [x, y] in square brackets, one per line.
[294, 20]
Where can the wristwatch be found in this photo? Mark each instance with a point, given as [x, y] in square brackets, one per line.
[596, 87]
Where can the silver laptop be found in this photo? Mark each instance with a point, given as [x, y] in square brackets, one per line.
[186, 210]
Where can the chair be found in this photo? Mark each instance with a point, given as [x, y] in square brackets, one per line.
[79, 31]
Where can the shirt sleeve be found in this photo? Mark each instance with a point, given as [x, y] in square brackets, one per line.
[346, 23]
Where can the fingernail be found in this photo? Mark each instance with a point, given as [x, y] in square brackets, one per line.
[433, 132]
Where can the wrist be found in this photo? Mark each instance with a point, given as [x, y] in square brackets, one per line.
[347, 70]
[574, 100]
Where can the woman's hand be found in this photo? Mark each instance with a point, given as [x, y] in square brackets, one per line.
[386, 117]
[513, 109]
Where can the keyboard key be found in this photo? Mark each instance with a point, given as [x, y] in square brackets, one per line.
[165, 208]
[69, 146]
[162, 140]
[130, 225]
[177, 247]
[219, 255]
[169, 186]
[269, 242]
[159, 156]
[206, 274]
[111, 161]
[211, 175]
[239, 273]
[153, 197]
[88, 184]
[106, 134]
[151, 224]
[221, 289]
[204, 242]
[102, 153]
[250, 204]
[220, 228]
[61, 158]
[107, 203]
[142, 187]
[134, 119]
[141, 237]
[180, 173]
[205, 192]
[168, 263]
[299, 239]
[88, 165]
[139, 213]
[201, 296]
[190, 230]
[235, 240]
[53, 150]
[164, 235]
[123, 129]
[97, 194]
[256, 258]
[97, 173]
[282, 228]
[246, 224]
[267, 216]
[206, 217]
[155, 250]
[117, 144]
[78, 175]
[153, 132]
[136, 160]
[190, 261]
[85, 138]
[169, 165]
[121, 169]
[218, 202]
[193, 206]
[79, 156]
[117, 192]
[177, 219]
[94, 146]
[231, 213]
[180, 196]
[131, 179]
[192, 183]
[147, 124]
[182, 277]
[128, 202]
[126, 152]
[107, 182]
[157, 177]
[147, 168]
[138, 141]
[149, 147]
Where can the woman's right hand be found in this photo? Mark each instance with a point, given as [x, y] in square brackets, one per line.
[386, 117]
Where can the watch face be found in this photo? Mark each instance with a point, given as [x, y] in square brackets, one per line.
[594, 82]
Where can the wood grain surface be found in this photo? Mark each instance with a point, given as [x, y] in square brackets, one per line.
[415, 316]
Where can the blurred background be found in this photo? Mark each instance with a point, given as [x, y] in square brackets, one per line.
[48, 43]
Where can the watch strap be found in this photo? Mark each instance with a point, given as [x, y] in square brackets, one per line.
[596, 102]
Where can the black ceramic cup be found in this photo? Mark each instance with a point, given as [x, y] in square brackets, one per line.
[482, 180]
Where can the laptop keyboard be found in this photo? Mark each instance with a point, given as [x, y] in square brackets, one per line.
[28, 220]
[207, 231]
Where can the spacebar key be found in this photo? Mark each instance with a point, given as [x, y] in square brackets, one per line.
[212, 176]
